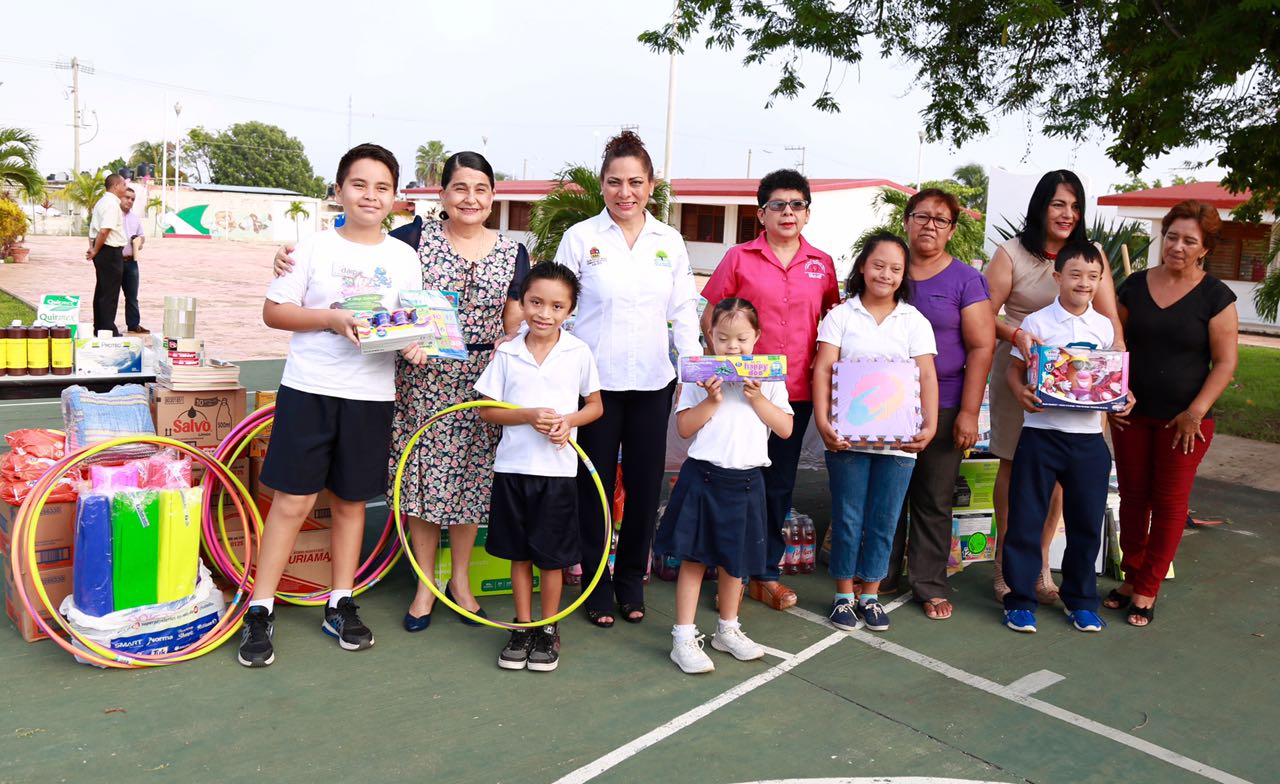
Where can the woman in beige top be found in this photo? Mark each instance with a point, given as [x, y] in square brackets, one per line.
[1020, 276]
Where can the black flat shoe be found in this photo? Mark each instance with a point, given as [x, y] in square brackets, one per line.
[416, 623]
[448, 594]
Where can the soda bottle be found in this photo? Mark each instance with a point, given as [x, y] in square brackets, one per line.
[573, 575]
[791, 556]
[808, 546]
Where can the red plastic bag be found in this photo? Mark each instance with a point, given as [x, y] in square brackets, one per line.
[15, 491]
[19, 465]
[38, 442]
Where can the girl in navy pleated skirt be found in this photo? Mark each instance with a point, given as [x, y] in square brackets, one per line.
[716, 514]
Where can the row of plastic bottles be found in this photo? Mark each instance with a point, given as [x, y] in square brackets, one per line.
[801, 555]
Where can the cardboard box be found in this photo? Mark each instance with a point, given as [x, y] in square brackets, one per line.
[240, 468]
[55, 532]
[490, 575]
[1078, 378]
[321, 515]
[973, 538]
[262, 398]
[200, 419]
[57, 583]
[754, 367]
[975, 485]
[107, 356]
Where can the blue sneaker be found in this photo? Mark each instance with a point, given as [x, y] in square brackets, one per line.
[1085, 620]
[874, 616]
[843, 615]
[1020, 620]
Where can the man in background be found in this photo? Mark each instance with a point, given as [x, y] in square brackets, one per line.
[106, 250]
[134, 239]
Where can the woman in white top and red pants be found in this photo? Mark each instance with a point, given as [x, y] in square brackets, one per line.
[635, 278]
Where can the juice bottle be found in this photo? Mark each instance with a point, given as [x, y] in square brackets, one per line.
[808, 546]
[38, 351]
[791, 556]
[60, 350]
[16, 349]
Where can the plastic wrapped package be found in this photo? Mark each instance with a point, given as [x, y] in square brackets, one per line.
[91, 572]
[64, 490]
[93, 417]
[166, 471]
[22, 466]
[135, 547]
[37, 442]
[110, 478]
[179, 543]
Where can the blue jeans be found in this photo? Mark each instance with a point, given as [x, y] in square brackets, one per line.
[866, 498]
[129, 285]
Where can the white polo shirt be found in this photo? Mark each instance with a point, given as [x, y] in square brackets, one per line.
[628, 296]
[734, 437]
[904, 334]
[1057, 327]
[108, 215]
[514, 376]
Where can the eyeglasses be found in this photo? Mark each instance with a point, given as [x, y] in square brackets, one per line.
[778, 205]
[923, 219]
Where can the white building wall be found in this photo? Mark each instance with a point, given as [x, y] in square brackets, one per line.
[838, 218]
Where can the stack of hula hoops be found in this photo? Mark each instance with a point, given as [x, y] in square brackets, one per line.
[220, 488]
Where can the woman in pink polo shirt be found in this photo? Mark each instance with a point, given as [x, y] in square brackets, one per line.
[792, 284]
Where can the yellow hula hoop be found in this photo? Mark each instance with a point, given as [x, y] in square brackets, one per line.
[431, 583]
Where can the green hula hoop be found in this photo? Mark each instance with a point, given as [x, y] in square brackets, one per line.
[431, 583]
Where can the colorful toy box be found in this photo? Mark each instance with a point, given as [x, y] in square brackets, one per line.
[876, 400]
[1080, 378]
[729, 368]
[426, 317]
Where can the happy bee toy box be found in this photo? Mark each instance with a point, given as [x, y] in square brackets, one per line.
[729, 368]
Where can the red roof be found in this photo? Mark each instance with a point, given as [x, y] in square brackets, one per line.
[688, 187]
[1210, 192]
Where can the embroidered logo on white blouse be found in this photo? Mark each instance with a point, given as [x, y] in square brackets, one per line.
[661, 259]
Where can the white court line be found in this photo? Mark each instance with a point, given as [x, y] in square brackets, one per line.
[615, 757]
[1013, 695]
[777, 654]
[1036, 681]
[54, 402]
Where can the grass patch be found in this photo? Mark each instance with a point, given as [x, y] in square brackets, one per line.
[1250, 407]
[13, 308]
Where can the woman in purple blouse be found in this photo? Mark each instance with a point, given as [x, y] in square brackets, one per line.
[953, 296]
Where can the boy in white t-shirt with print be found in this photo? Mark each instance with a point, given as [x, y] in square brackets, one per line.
[333, 412]
[1059, 446]
[533, 516]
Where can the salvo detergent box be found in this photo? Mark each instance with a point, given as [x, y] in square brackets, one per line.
[1080, 378]
[730, 368]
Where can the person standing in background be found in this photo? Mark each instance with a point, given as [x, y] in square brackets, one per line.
[106, 228]
[134, 239]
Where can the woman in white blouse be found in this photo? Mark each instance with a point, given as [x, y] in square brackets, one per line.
[635, 278]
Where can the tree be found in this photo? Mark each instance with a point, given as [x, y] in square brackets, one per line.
[296, 210]
[83, 191]
[152, 153]
[154, 205]
[965, 244]
[972, 176]
[576, 197]
[1136, 183]
[428, 162]
[115, 165]
[1155, 77]
[18, 150]
[253, 154]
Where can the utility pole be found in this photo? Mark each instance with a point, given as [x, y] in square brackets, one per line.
[524, 174]
[748, 163]
[75, 66]
[801, 150]
[919, 158]
[671, 108]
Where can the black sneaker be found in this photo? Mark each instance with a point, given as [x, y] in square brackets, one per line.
[545, 655]
[343, 623]
[516, 653]
[255, 638]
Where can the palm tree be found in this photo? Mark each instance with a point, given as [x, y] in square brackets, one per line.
[84, 191]
[966, 243]
[296, 210]
[430, 158]
[972, 175]
[155, 204]
[1266, 297]
[18, 150]
[575, 198]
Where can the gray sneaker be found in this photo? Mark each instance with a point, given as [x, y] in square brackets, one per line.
[545, 655]
[515, 654]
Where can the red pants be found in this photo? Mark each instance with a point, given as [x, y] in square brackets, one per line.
[1155, 487]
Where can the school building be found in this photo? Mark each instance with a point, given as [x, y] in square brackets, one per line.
[712, 215]
[1240, 259]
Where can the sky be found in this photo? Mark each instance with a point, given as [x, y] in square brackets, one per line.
[532, 85]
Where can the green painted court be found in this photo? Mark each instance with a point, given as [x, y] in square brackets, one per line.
[1191, 698]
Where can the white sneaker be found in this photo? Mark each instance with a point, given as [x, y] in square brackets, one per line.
[735, 642]
[689, 656]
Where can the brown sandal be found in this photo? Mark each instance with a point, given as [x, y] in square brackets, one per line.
[780, 597]
[938, 609]
[715, 598]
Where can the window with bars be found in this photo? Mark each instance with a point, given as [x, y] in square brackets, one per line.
[702, 222]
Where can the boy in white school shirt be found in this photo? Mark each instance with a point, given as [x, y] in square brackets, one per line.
[1062, 446]
[533, 516]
